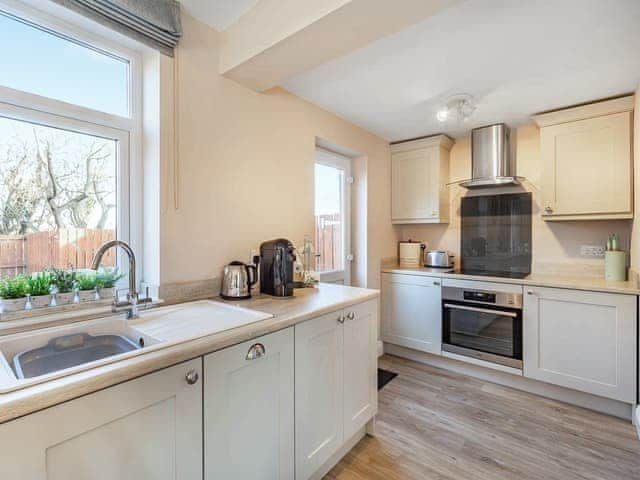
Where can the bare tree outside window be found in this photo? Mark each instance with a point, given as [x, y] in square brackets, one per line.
[57, 196]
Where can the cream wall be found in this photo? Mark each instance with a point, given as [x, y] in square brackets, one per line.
[635, 236]
[243, 172]
[555, 244]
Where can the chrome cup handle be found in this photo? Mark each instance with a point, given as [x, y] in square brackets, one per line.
[256, 351]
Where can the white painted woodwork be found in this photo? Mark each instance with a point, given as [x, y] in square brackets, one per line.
[335, 382]
[587, 162]
[319, 385]
[581, 340]
[419, 173]
[360, 366]
[149, 428]
[412, 311]
[249, 411]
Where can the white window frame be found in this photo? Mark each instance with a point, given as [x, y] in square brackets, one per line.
[331, 159]
[126, 130]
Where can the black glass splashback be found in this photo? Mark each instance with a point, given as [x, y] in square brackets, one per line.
[496, 234]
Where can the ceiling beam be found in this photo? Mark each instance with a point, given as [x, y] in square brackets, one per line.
[277, 39]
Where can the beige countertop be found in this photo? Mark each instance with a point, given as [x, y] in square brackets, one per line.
[589, 283]
[306, 304]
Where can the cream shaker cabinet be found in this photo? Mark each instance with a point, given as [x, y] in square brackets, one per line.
[586, 161]
[249, 410]
[335, 379]
[360, 366]
[581, 340]
[149, 428]
[419, 173]
[412, 311]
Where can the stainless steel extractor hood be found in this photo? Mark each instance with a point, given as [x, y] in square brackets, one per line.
[491, 162]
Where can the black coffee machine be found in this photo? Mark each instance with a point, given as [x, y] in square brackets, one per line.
[276, 267]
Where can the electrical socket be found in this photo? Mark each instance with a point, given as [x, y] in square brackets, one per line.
[592, 251]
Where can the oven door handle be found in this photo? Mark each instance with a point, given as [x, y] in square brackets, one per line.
[481, 310]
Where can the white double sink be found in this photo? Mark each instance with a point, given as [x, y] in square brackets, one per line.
[154, 330]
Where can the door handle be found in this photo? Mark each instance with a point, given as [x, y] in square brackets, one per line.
[351, 315]
[341, 319]
[480, 310]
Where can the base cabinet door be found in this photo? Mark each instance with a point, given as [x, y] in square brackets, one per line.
[360, 366]
[249, 410]
[319, 392]
[412, 312]
[581, 340]
[149, 428]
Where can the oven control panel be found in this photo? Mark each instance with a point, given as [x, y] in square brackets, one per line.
[484, 297]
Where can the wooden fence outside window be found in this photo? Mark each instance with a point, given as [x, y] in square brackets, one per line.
[65, 248]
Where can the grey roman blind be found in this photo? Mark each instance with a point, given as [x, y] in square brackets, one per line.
[153, 22]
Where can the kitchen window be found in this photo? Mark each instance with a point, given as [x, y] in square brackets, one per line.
[69, 121]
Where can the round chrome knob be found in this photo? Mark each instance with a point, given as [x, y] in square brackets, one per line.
[529, 292]
[341, 319]
[548, 209]
[256, 351]
[192, 377]
[351, 315]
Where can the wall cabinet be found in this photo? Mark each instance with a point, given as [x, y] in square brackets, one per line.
[586, 161]
[581, 340]
[248, 410]
[419, 173]
[149, 428]
[412, 311]
[335, 378]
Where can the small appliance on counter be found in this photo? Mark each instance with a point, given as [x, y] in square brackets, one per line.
[615, 261]
[438, 259]
[237, 280]
[276, 270]
[410, 253]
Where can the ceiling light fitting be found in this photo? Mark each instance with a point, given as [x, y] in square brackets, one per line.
[458, 108]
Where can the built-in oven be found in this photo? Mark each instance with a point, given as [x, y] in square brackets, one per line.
[484, 321]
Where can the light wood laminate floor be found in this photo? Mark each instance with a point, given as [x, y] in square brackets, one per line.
[436, 424]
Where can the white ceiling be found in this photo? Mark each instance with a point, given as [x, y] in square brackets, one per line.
[517, 57]
[219, 14]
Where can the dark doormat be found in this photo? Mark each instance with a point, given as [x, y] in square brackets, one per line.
[384, 377]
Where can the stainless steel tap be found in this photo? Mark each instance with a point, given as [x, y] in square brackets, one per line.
[130, 306]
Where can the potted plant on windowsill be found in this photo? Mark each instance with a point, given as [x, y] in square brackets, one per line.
[98, 285]
[26, 293]
[38, 286]
[13, 292]
[63, 284]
